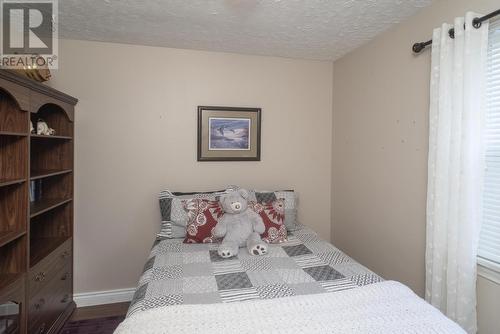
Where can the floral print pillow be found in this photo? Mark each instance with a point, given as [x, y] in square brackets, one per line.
[273, 215]
[203, 215]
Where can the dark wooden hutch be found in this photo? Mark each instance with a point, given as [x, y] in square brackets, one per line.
[36, 230]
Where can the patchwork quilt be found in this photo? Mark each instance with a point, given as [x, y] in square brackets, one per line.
[178, 273]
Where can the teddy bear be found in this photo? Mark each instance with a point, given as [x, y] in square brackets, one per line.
[239, 226]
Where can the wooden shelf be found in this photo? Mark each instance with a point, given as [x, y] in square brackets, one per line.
[44, 205]
[37, 166]
[7, 182]
[8, 279]
[41, 247]
[51, 137]
[13, 158]
[6, 237]
[40, 174]
[14, 134]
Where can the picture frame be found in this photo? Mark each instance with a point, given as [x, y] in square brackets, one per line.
[229, 133]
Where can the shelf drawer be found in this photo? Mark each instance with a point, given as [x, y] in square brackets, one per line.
[47, 269]
[45, 307]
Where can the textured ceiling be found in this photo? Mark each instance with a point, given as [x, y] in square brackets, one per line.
[310, 29]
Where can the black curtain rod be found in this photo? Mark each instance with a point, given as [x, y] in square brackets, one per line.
[418, 47]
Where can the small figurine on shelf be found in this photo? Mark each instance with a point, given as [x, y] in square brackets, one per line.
[43, 129]
[32, 128]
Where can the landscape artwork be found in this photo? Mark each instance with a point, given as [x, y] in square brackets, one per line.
[229, 133]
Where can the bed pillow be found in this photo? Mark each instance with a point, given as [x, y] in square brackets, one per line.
[291, 203]
[174, 217]
[273, 216]
[203, 215]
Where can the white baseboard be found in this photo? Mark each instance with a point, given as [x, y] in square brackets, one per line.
[103, 297]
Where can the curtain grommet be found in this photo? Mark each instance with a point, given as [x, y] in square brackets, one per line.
[451, 33]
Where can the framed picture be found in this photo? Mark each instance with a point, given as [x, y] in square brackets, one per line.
[228, 134]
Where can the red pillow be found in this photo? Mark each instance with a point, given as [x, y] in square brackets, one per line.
[202, 218]
[273, 215]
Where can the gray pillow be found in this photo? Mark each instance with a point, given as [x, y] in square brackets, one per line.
[174, 217]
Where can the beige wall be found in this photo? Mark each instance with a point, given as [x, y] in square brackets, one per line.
[136, 135]
[380, 129]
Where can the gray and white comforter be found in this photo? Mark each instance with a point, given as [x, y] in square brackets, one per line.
[387, 307]
[178, 273]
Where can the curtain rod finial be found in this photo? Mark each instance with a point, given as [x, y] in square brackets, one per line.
[418, 47]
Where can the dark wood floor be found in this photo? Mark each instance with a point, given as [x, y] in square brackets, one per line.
[99, 311]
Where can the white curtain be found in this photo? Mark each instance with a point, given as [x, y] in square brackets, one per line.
[455, 168]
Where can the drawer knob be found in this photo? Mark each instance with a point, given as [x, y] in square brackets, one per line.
[65, 277]
[41, 329]
[65, 299]
[40, 303]
[40, 277]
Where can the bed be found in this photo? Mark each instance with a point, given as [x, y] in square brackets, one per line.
[304, 285]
